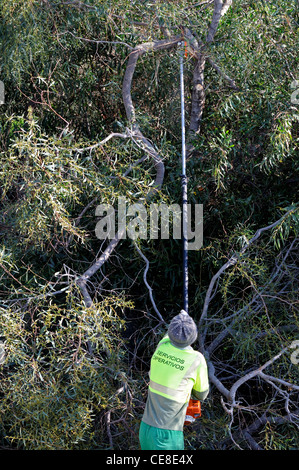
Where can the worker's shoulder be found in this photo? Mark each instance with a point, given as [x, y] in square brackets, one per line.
[199, 356]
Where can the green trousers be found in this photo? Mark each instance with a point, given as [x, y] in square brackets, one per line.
[152, 438]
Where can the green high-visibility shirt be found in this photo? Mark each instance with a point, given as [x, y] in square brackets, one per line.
[175, 373]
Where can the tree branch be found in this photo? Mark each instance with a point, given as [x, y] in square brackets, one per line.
[250, 375]
[231, 262]
[104, 141]
[230, 81]
[147, 284]
[145, 144]
[217, 13]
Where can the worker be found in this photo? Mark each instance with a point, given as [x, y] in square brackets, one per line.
[176, 372]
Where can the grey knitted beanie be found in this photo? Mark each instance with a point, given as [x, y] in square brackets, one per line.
[182, 330]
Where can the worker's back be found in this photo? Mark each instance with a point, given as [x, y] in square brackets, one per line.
[174, 372]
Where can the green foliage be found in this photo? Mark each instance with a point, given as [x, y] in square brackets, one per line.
[289, 225]
[55, 377]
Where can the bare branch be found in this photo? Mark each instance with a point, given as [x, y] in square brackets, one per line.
[250, 375]
[259, 423]
[81, 282]
[198, 96]
[231, 262]
[220, 8]
[147, 284]
[218, 4]
[140, 160]
[280, 381]
[131, 66]
[145, 144]
[226, 5]
[108, 422]
[214, 380]
[230, 81]
[104, 141]
[252, 443]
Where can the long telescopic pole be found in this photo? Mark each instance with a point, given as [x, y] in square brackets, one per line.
[184, 188]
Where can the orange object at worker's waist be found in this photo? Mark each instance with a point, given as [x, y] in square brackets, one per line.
[193, 411]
